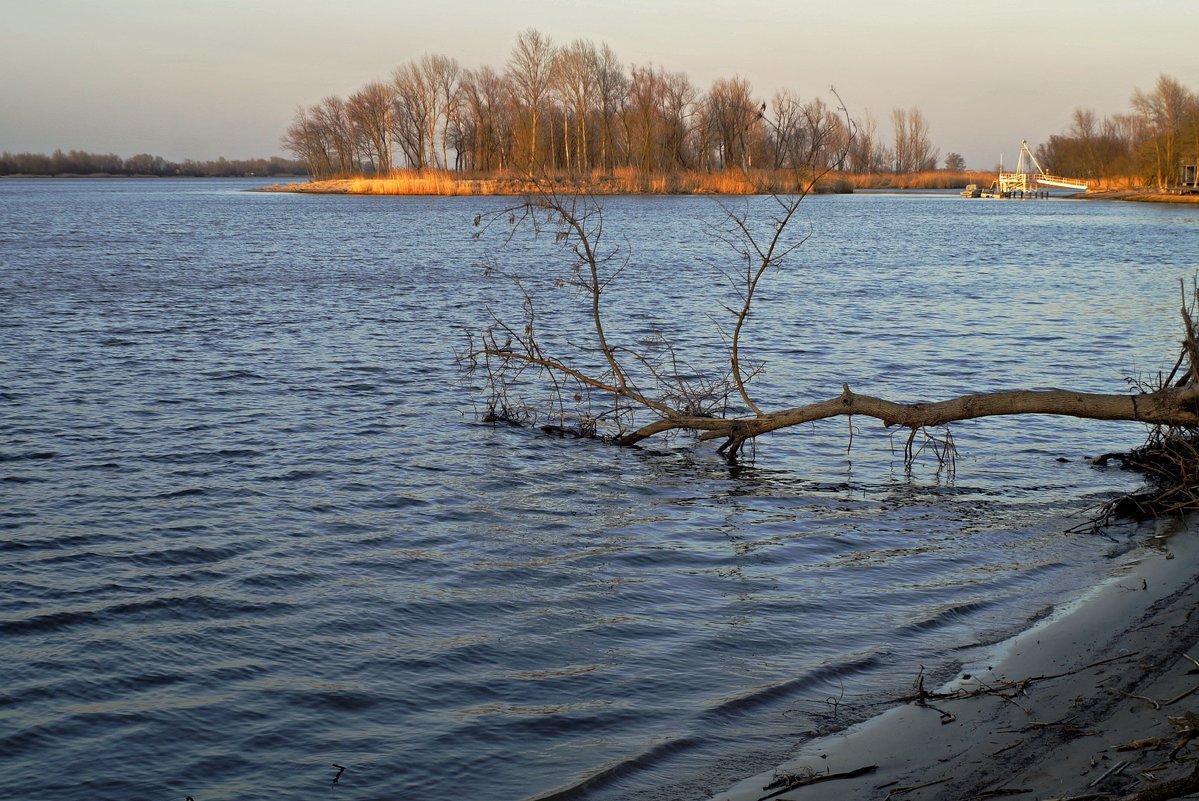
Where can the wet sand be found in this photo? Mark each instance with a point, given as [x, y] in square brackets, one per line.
[1138, 195]
[1090, 703]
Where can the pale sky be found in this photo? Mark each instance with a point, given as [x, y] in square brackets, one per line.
[207, 78]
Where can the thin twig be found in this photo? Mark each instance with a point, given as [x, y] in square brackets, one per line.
[913, 788]
[1116, 768]
[1178, 698]
[1156, 705]
[825, 777]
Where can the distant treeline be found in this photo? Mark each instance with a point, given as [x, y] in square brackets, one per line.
[1151, 144]
[577, 108]
[78, 162]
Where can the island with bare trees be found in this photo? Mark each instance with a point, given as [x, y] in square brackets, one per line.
[579, 116]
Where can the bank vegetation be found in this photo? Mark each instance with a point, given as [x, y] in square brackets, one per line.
[80, 162]
[576, 113]
[627, 181]
[1151, 145]
[578, 109]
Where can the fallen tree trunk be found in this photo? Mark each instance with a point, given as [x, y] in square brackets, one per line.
[600, 389]
[1169, 407]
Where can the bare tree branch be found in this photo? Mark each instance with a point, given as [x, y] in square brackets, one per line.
[650, 379]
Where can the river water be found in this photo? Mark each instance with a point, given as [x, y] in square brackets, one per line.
[253, 527]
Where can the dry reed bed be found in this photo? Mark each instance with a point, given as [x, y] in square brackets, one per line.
[622, 181]
[630, 181]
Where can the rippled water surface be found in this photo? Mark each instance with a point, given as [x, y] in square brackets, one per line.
[252, 527]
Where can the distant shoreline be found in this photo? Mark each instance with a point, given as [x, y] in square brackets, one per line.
[103, 176]
[630, 181]
[448, 185]
[441, 184]
[1138, 196]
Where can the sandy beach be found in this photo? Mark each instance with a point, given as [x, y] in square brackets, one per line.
[1138, 196]
[1096, 701]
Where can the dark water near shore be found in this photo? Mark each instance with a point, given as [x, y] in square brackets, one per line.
[251, 527]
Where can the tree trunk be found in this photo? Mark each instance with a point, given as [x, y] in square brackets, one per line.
[1170, 407]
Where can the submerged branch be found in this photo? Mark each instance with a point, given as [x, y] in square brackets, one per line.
[1171, 406]
[608, 381]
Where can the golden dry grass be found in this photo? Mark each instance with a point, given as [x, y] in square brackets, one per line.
[632, 181]
[931, 179]
[620, 181]
[421, 182]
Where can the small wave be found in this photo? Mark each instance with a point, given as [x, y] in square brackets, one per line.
[343, 700]
[28, 740]
[243, 672]
[31, 456]
[614, 773]
[179, 529]
[773, 692]
[662, 751]
[183, 493]
[946, 616]
[174, 557]
[230, 375]
[396, 502]
[277, 581]
[194, 607]
[47, 623]
[294, 475]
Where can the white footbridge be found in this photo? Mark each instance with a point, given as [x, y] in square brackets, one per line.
[1024, 182]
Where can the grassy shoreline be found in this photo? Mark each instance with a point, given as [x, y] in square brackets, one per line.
[625, 181]
[1138, 196]
[633, 182]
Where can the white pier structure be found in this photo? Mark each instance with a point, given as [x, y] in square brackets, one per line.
[1024, 182]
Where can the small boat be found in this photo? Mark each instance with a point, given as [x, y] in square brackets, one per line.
[972, 190]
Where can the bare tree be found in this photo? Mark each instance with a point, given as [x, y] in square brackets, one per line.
[826, 137]
[914, 150]
[412, 110]
[576, 69]
[1165, 111]
[679, 109]
[784, 135]
[529, 74]
[611, 85]
[426, 101]
[954, 162]
[441, 76]
[486, 127]
[608, 386]
[732, 115]
[307, 140]
[865, 155]
[333, 118]
[642, 118]
[680, 396]
[370, 112]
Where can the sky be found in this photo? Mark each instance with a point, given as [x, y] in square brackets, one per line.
[207, 78]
